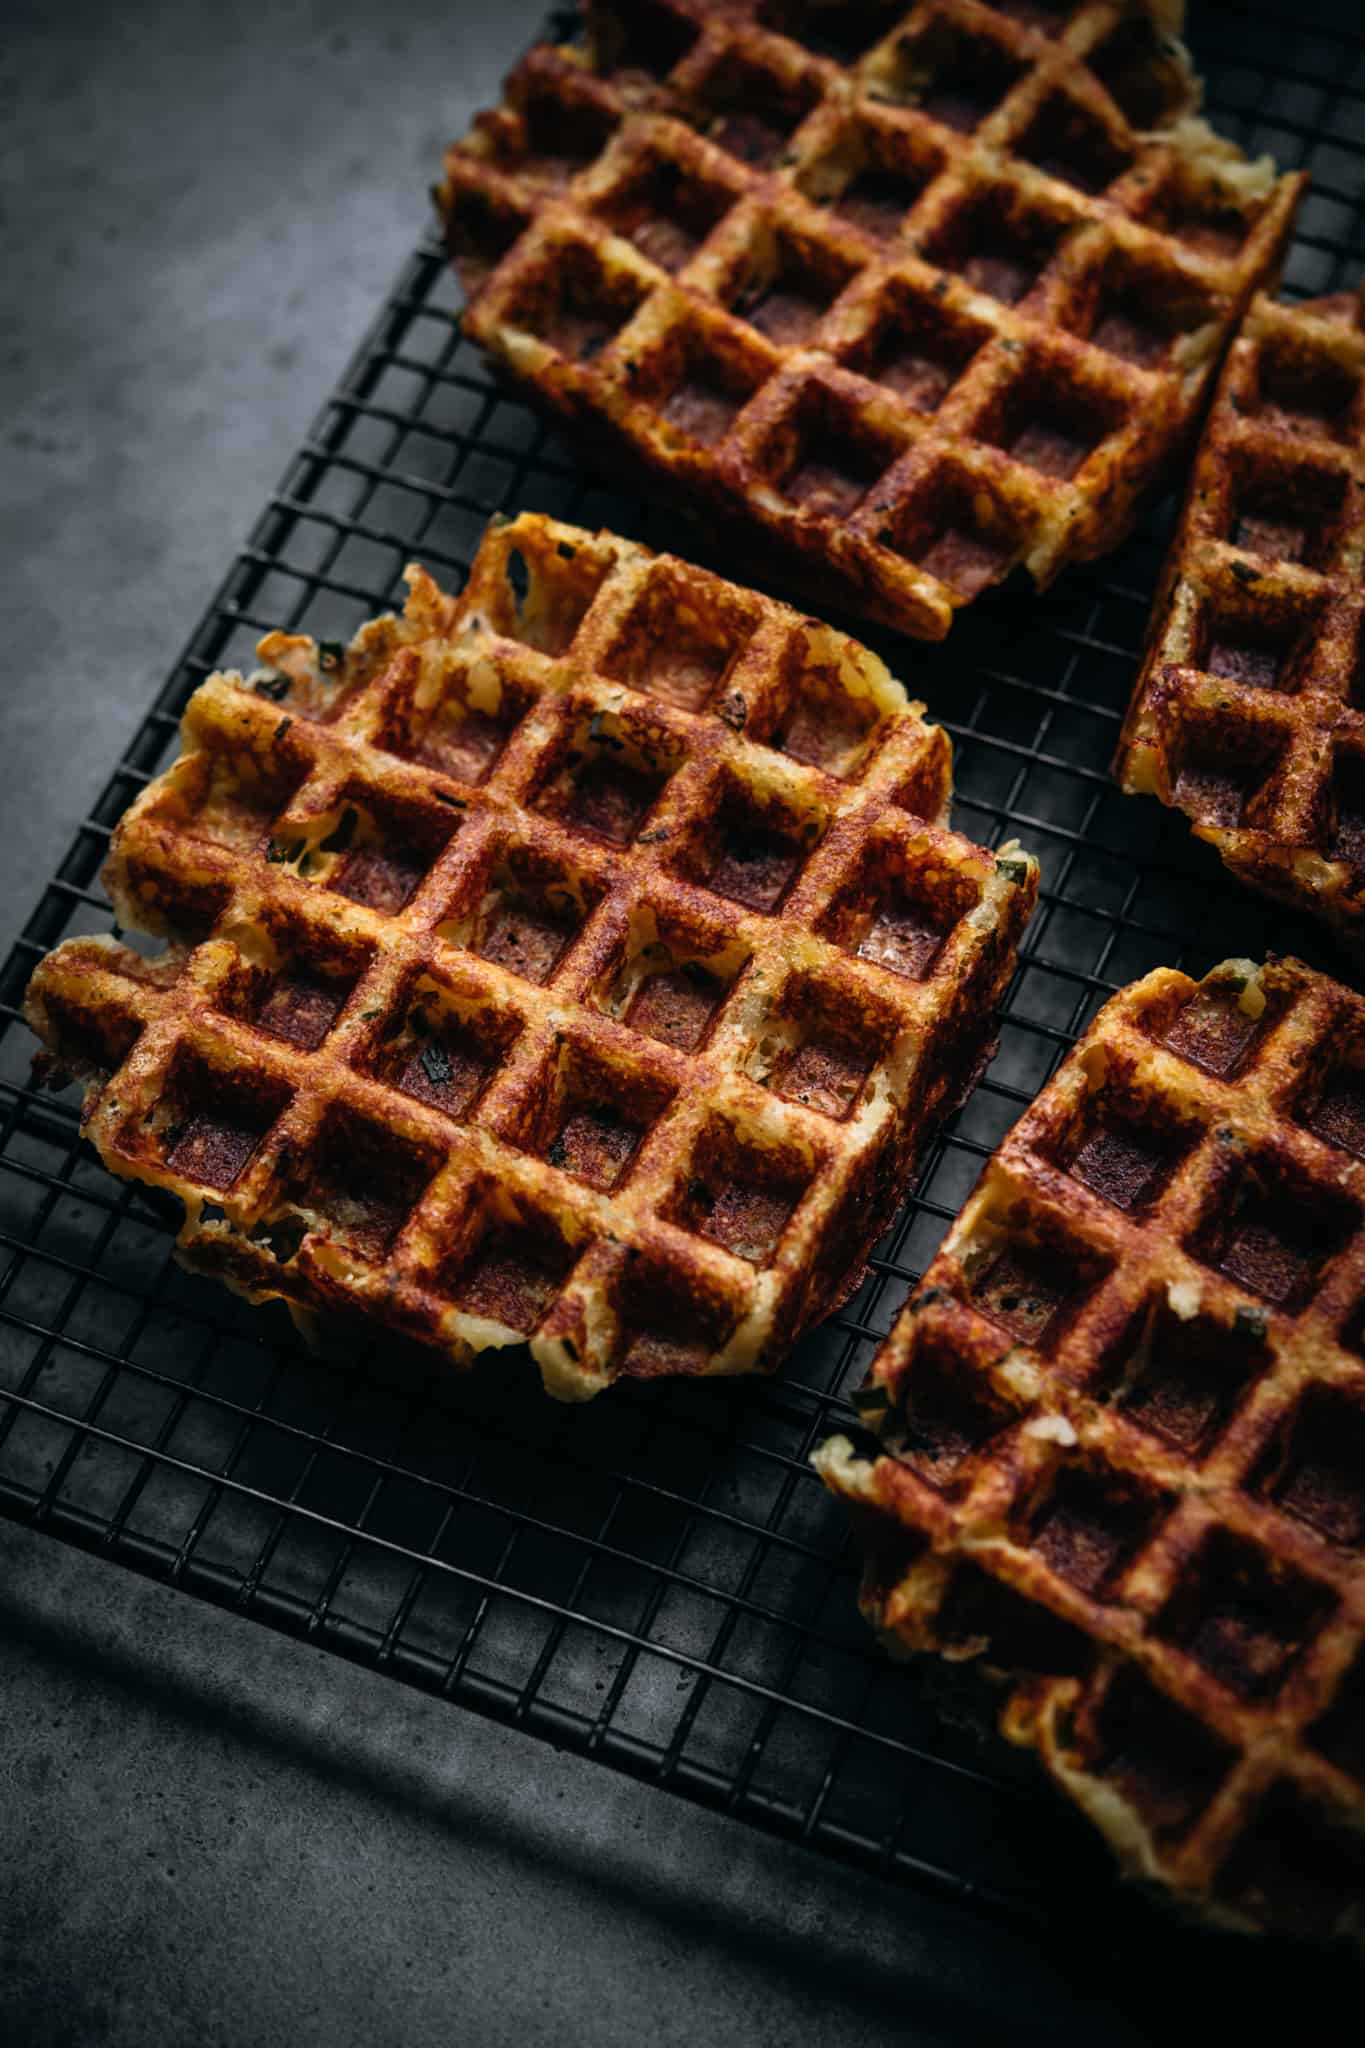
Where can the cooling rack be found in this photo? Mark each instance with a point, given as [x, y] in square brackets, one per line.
[657, 1580]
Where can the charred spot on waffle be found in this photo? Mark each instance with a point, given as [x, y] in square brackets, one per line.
[666, 210]
[531, 915]
[438, 1052]
[826, 1045]
[871, 175]
[1242, 1615]
[876, 199]
[588, 1116]
[1220, 1026]
[841, 29]
[1296, 1867]
[900, 908]
[1009, 1632]
[945, 1417]
[1223, 774]
[1209, 218]
[89, 1041]
[235, 807]
[996, 245]
[1254, 638]
[1140, 311]
[301, 1007]
[676, 645]
[459, 738]
[300, 997]
[1331, 1103]
[540, 600]
[560, 134]
[889, 1551]
[1068, 141]
[1032, 1290]
[596, 1144]
[831, 735]
[698, 376]
[1143, 73]
[379, 851]
[513, 1271]
[785, 286]
[1155, 1755]
[576, 305]
[955, 528]
[1346, 807]
[751, 846]
[916, 347]
[1287, 512]
[1340, 1732]
[1305, 391]
[364, 1178]
[956, 76]
[1181, 1378]
[1049, 16]
[190, 907]
[672, 986]
[821, 719]
[480, 229]
[608, 774]
[676, 1005]
[752, 111]
[1314, 1466]
[1090, 1524]
[648, 39]
[738, 1193]
[1051, 421]
[824, 455]
[667, 1327]
[1269, 1230]
[705, 403]
[211, 1121]
[1123, 1154]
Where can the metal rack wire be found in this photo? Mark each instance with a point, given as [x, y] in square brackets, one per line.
[657, 1581]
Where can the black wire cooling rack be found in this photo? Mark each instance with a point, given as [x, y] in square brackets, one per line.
[657, 1580]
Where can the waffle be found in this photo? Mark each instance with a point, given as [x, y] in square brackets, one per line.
[897, 319]
[581, 961]
[1247, 714]
[1122, 1442]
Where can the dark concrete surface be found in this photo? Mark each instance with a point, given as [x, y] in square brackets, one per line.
[208, 1833]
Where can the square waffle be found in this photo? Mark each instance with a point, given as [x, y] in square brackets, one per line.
[902, 298]
[581, 961]
[1122, 1441]
[1248, 712]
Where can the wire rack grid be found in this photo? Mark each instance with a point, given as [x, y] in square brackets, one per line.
[657, 1580]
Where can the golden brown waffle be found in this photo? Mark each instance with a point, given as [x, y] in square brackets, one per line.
[903, 316]
[1248, 712]
[1122, 1431]
[581, 960]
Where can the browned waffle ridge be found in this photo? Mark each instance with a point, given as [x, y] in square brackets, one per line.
[582, 960]
[1122, 1431]
[1249, 713]
[904, 298]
